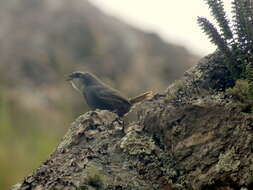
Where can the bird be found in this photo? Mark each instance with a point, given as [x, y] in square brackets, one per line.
[99, 95]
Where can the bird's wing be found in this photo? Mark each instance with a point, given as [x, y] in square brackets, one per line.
[111, 95]
[107, 98]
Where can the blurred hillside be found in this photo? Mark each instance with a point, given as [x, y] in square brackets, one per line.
[41, 42]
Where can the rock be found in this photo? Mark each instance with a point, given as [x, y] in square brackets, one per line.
[189, 137]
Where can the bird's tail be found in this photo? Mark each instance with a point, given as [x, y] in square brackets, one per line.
[141, 97]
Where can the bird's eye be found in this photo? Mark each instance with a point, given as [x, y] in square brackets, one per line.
[76, 75]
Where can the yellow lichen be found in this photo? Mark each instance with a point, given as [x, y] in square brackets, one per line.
[133, 143]
[228, 162]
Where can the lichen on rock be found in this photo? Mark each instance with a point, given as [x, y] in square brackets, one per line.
[134, 143]
[198, 139]
[228, 162]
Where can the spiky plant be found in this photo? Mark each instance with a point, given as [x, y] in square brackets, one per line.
[218, 12]
[242, 17]
[214, 35]
[236, 41]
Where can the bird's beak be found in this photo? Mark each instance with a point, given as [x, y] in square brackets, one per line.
[68, 78]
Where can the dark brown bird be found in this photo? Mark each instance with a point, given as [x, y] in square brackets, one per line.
[100, 96]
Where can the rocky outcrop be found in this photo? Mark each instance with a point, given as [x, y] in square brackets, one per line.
[41, 41]
[193, 136]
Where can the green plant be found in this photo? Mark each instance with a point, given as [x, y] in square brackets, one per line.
[236, 41]
[241, 90]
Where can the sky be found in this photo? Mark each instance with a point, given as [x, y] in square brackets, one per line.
[174, 20]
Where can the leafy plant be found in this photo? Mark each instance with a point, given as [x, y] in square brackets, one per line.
[234, 40]
[240, 91]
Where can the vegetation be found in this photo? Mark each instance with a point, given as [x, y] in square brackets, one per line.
[241, 90]
[23, 139]
[234, 40]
